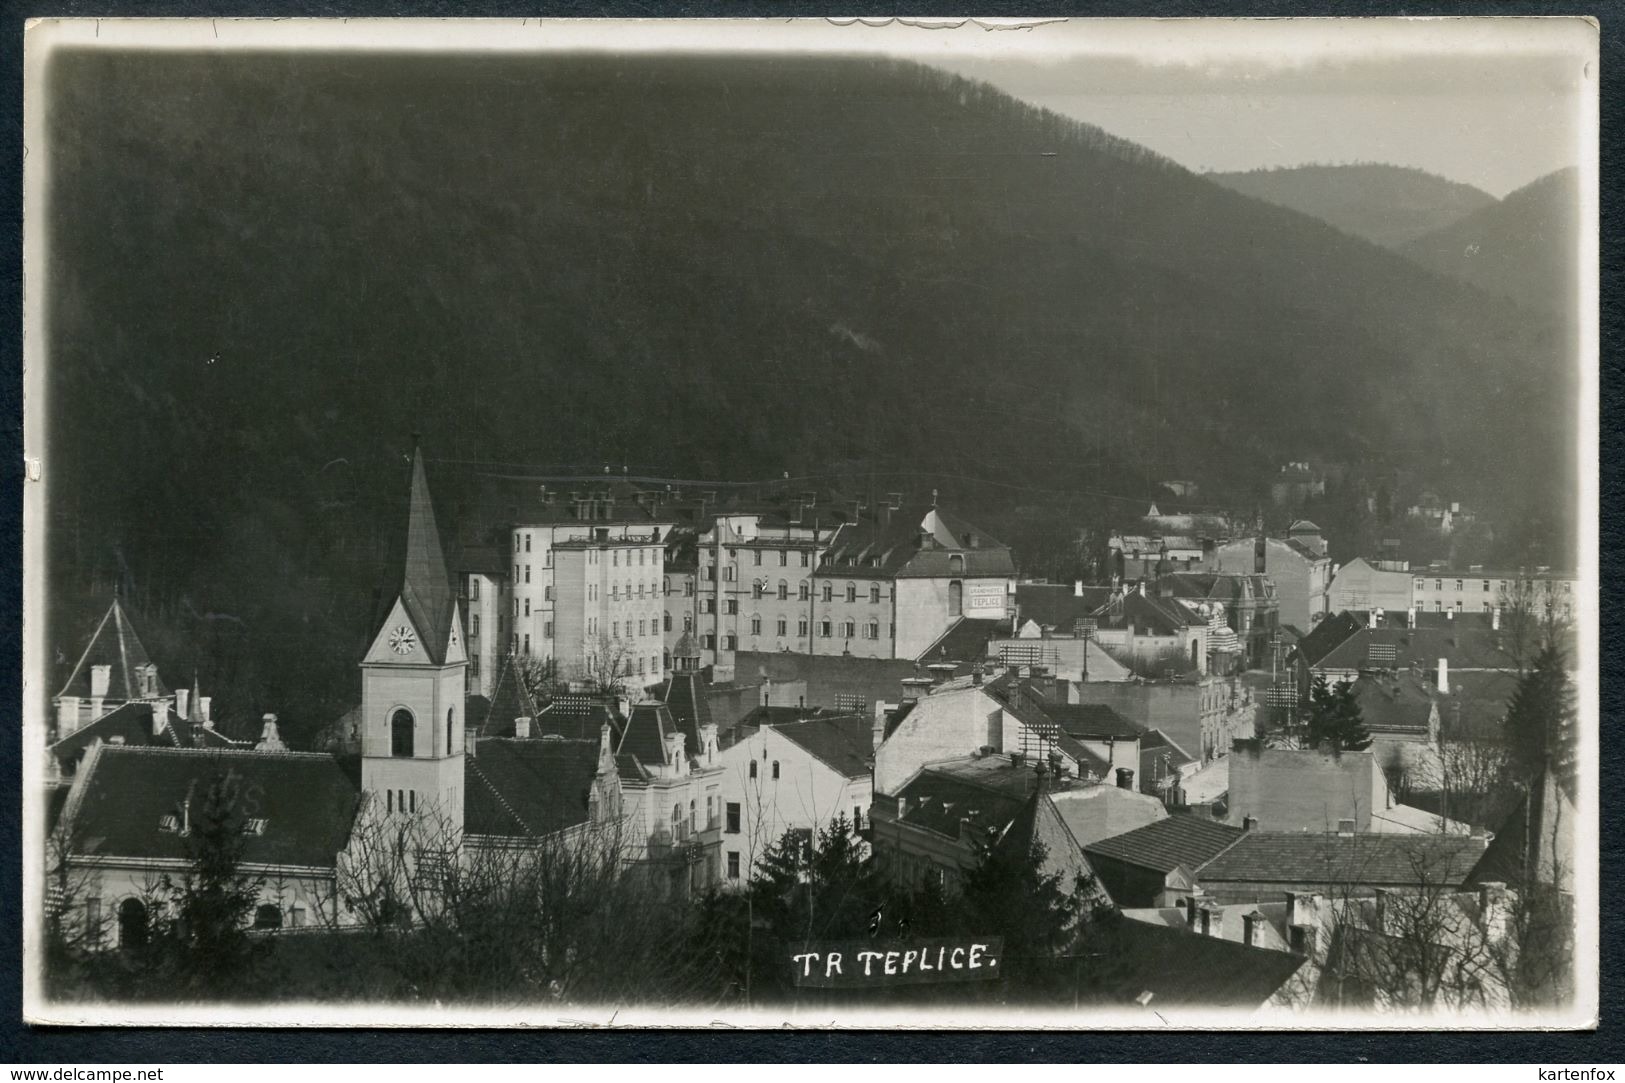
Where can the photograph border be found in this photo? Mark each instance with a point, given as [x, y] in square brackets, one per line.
[1470, 1044]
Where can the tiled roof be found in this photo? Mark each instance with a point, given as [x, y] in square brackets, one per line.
[1191, 841]
[1401, 704]
[1039, 821]
[645, 735]
[1327, 635]
[1057, 605]
[425, 587]
[1465, 648]
[870, 548]
[965, 641]
[1306, 858]
[1102, 811]
[842, 742]
[1150, 614]
[942, 803]
[528, 789]
[1160, 756]
[115, 645]
[684, 696]
[1092, 720]
[1181, 969]
[307, 800]
[1225, 587]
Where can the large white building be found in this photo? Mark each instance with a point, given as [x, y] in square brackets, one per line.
[886, 583]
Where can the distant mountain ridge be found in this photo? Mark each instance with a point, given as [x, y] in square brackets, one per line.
[1385, 204]
[1523, 247]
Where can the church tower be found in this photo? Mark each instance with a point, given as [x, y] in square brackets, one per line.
[413, 681]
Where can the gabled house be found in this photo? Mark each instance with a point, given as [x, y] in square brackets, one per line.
[792, 776]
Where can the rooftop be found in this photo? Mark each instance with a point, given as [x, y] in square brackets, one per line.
[1188, 840]
[528, 788]
[307, 803]
[1365, 859]
[114, 644]
[843, 742]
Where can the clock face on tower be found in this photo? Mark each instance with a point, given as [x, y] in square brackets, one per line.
[402, 640]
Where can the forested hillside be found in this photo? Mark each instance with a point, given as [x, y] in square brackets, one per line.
[267, 272]
[1387, 205]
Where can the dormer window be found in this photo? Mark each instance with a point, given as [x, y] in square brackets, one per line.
[169, 823]
[255, 825]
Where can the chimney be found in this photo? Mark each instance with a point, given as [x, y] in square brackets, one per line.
[183, 698]
[521, 727]
[1250, 931]
[203, 708]
[1077, 588]
[99, 676]
[1193, 903]
[270, 740]
[1450, 614]
[976, 677]
[1297, 907]
[708, 742]
[1371, 619]
[160, 712]
[471, 742]
[1041, 776]
[1410, 617]
[1125, 778]
[1444, 676]
[1249, 823]
[1495, 618]
[67, 716]
[1017, 759]
[1212, 920]
[902, 807]
[1141, 588]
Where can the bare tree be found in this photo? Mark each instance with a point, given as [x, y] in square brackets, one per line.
[607, 666]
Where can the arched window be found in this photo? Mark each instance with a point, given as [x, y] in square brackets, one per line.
[752, 768]
[757, 588]
[400, 733]
[677, 821]
[956, 598]
[755, 624]
[784, 591]
[775, 768]
[132, 923]
[693, 819]
[851, 592]
[268, 916]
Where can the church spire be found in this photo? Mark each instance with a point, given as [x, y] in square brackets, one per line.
[425, 587]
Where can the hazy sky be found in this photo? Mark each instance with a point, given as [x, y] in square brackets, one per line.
[1494, 122]
[1494, 102]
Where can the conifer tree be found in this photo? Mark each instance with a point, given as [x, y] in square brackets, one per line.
[1541, 720]
[1334, 716]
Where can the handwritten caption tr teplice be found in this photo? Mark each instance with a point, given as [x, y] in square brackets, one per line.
[866, 963]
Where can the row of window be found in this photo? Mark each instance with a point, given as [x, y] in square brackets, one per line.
[760, 587]
[759, 556]
[1486, 586]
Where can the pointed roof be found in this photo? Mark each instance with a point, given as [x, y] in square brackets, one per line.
[1039, 821]
[684, 696]
[425, 586]
[645, 734]
[116, 646]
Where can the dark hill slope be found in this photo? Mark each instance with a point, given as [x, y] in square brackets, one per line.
[268, 271]
[1522, 247]
[1386, 204]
